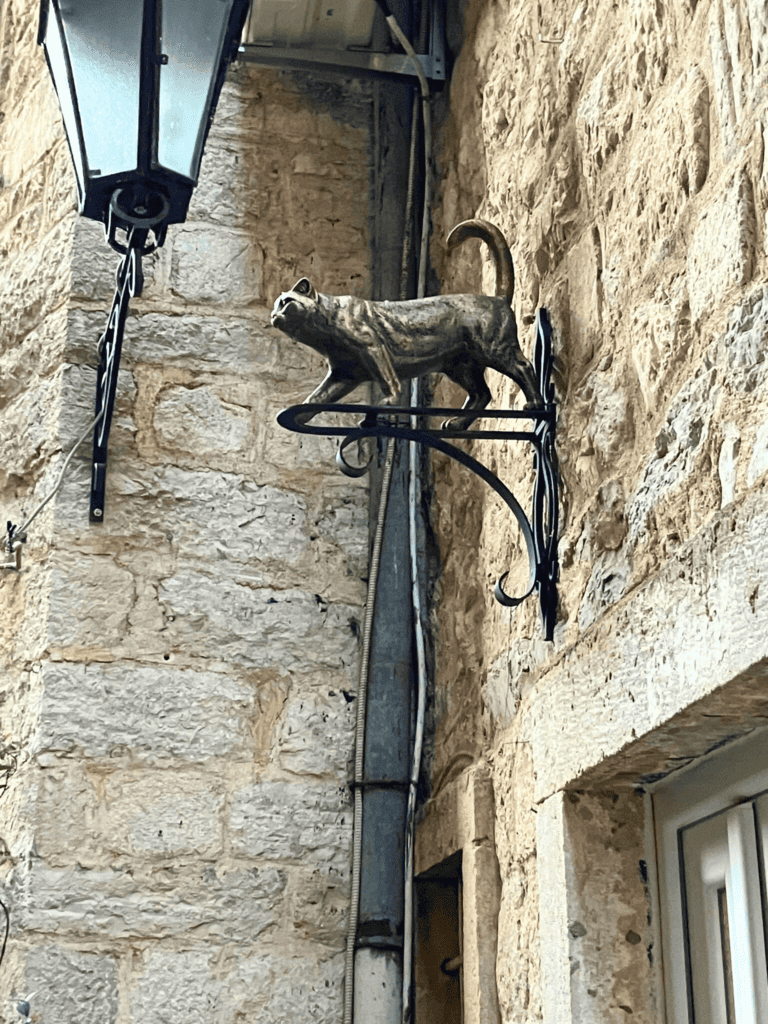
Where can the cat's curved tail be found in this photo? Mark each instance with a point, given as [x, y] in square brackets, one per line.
[493, 238]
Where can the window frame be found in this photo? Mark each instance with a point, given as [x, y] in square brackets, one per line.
[720, 783]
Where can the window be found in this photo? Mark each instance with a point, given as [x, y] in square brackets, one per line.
[712, 842]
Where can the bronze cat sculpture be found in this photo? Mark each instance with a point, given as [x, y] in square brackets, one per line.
[389, 342]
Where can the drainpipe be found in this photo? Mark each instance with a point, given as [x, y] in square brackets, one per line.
[379, 957]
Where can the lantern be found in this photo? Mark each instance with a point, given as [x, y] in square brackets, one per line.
[138, 82]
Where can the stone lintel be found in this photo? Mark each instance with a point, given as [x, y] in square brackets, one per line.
[676, 669]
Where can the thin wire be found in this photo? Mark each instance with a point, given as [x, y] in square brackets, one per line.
[18, 531]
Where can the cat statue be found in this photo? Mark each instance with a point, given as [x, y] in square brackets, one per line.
[390, 342]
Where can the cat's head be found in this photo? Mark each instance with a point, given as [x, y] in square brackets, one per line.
[293, 307]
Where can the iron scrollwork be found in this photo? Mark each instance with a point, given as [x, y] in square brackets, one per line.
[540, 533]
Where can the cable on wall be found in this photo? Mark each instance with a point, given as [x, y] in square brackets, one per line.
[17, 535]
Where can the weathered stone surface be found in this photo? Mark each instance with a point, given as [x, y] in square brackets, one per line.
[226, 516]
[727, 463]
[316, 734]
[90, 607]
[678, 445]
[236, 258]
[758, 463]
[69, 985]
[157, 815]
[150, 712]
[267, 986]
[158, 902]
[258, 626]
[196, 419]
[308, 821]
[722, 250]
[659, 331]
[95, 264]
[208, 342]
[320, 905]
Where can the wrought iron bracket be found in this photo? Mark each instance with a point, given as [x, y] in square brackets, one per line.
[540, 532]
[130, 281]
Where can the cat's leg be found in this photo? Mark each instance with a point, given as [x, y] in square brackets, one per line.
[507, 357]
[333, 388]
[470, 376]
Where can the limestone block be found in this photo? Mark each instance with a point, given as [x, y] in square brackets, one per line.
[180, 986]
[745, 341]
[258, 626]
[299, 452]
[153, 712]
[501, 692]
[319, 905]
[78, 395]
[727, 68]
[196, 420]
[69, 985]
[62, 811]
[659, 328]
[275, 986]
[678, 446]
[226, 516]
[758, 464]
[218, 197]
[721, 254]
[199, 342]
[584, 298]
[215, 265]
[316, 734]
[33, 282]
[345, 523]
[661, 176]
[95, 264]
[160, 901]
[610, 426]
[152, 813]
[90, 602]
[299, 982]
[758, 32]
[31, 420]
[608, 582]
[306, 821]
[727, 463]
[604, 116]
[37, 355]
[693, 98]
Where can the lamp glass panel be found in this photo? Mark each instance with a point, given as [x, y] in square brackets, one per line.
[193, 35]
[54, 49]
[104, 42]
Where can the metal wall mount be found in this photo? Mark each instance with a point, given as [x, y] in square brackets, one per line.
[540, 532]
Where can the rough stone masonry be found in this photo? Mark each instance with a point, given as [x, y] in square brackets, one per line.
[179, 683]
[621, 148]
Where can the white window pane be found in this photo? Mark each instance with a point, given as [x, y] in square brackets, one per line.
[705, 858]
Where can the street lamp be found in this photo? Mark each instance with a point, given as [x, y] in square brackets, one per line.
[138, 82]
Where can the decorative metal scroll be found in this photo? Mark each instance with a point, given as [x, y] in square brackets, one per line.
[540, 533]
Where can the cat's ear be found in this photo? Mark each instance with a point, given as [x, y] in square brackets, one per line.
[304, 287]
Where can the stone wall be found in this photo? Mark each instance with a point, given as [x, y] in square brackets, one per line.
[621, 149]
[179, 682]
